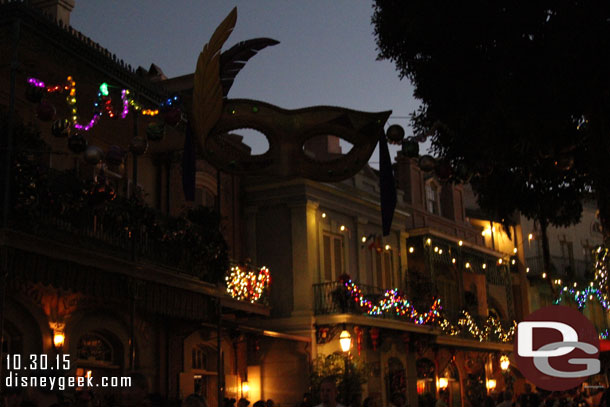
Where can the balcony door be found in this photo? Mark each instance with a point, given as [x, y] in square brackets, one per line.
[333, 256]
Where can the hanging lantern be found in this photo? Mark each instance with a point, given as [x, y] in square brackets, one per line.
[410, 147]
[427, 163]
[138, 145]
[359, 332]
[115, 155]
[93, 155]
[34, 94]
[61, 128]
[172, 116]
[77, 143]
[374, 332]
[395, 134]
[45, 111]
[155, 131]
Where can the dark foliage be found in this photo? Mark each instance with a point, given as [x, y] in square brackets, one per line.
[516, 97]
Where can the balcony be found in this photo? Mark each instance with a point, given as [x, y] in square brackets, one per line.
[334, 298]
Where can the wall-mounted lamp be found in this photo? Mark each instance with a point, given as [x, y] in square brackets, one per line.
[345, 340]
[245, 389]
[443, 382]
[504, 363]
[491, 384]
[58, 340]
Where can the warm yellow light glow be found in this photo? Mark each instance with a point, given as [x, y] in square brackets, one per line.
[512, 262]
[411, 249]
[460, 243]
[530, 236]
[515, 250]
[323, 214]
[543, 275]
[342, 228]
[484, 266]
[88, 374]
[245, 388]
[527, 270]
[388, 247]
[345, 340]
[363, 239]
[467, 265]
[504, 362]
[499, 261]
[58, 339]
[428, 241]
[435, 249]
[559, 281]
[443, 382]
[453, 260]
[591, 284]
[440, 251]
[491, 384]
[575, 284]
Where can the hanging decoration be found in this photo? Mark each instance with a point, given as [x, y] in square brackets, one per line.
[604, 334]
[582, 296]
[393, 302]
[102, 105]
[245, 284]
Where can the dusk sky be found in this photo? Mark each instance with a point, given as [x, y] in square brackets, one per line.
[326, 56]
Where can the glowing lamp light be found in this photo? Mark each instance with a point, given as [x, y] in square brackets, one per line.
[363, 239]
[323, 215]
[504, 363]
[467, 265]
[484, 266]
[436, 249]
[443, 382]
[491, 384]
[543, 275]
[515, 250]
[342, 228]
[387, 247]
[345, 340]
[530, 236]
[499, 261]
[440, 251]
[411, 249]
[460, 243]
[453, 260]
[245, 388]
[428, 241]
[58, 339]
[512, 262]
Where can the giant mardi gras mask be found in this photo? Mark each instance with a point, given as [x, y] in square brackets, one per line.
[213, 116]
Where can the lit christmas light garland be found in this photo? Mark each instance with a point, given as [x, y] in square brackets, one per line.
[393, 302]
[102, 103]
[582, 296]
[247, 285]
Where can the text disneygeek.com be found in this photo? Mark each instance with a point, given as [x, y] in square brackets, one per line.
[28, 371]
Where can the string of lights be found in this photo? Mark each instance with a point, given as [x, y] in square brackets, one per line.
[393, 302]
[245, 284]
[103, 102]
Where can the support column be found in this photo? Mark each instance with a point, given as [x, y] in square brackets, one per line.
[305, 256]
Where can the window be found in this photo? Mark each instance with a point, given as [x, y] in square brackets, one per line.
[432, 204]
[333, 256]
[383, 269]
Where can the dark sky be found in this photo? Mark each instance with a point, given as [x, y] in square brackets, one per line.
[326, 56]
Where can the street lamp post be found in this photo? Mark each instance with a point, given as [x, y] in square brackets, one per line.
[345, 340]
